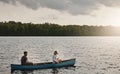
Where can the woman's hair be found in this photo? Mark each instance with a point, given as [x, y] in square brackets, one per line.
[55, 52]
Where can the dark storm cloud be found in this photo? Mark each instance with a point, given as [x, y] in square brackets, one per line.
[70, 6]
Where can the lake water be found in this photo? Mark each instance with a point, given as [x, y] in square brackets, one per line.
[94, 55]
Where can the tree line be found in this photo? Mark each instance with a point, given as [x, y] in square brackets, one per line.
[12, 28]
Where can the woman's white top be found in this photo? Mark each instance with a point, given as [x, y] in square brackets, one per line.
[55, 58]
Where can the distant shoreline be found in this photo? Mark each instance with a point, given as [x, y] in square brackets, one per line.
[59, 36]
[12, 28]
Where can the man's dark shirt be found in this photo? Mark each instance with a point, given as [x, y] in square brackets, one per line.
[23, 60]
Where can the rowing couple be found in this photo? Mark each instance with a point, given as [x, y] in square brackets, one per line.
[24, 59]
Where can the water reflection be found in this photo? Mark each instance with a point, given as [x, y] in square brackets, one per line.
[21, 72]
[55, 71]
[24, 72]
[46, 71]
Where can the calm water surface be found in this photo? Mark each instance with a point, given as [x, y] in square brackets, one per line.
[94, 55]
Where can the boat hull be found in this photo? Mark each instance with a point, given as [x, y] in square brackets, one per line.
[65, 63]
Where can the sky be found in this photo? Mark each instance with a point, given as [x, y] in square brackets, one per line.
[63, 12]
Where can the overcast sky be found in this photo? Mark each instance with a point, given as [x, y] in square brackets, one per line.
[64, 12]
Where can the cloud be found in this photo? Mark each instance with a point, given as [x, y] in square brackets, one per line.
[9, 1]
[75, 7]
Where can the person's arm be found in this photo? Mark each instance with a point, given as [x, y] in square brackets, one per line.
[26, 59]
[58, 59]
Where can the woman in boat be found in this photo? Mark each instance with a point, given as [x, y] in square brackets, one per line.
[56, 59]
[24, 59]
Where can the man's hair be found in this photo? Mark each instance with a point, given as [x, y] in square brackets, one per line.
[25, 52]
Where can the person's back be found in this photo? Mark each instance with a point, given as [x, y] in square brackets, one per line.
[54, 58]
[23, 60]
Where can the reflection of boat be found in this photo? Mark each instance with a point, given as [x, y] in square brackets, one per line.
[65, 63]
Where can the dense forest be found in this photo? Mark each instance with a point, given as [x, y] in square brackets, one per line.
[12, 28]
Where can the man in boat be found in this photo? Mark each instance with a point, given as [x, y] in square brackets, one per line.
[24, 59]
[56, 59]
